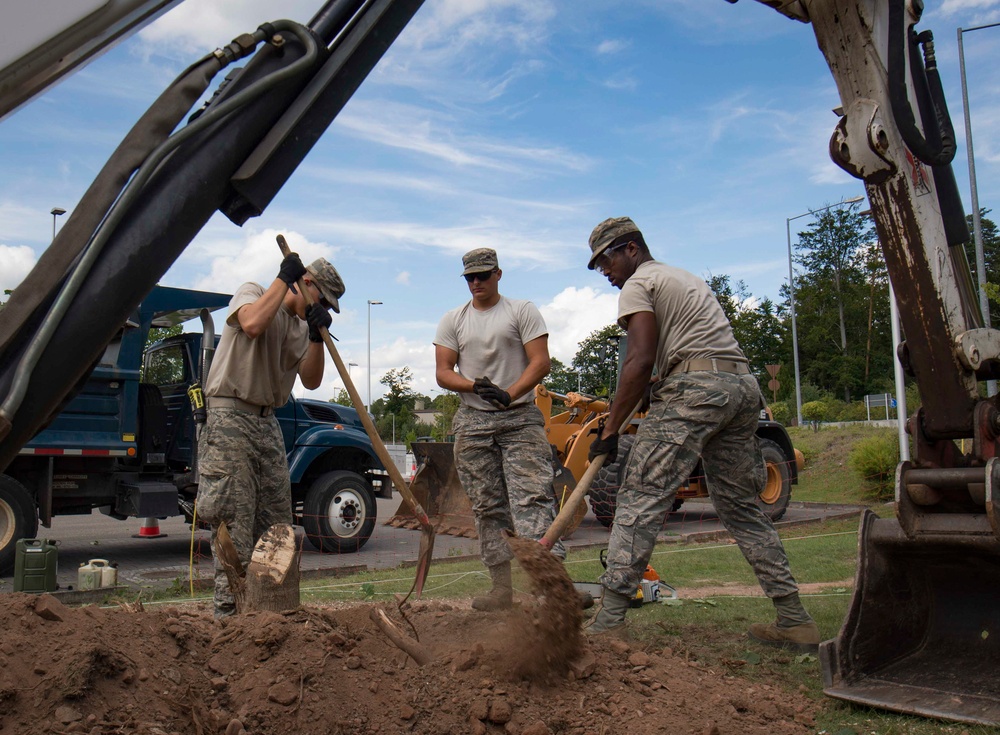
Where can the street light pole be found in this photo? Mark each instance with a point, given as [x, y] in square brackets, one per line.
[56, 211]
[791, 298]
[370, 304]
[977, 225]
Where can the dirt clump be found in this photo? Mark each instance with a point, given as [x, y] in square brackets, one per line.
[328, 670]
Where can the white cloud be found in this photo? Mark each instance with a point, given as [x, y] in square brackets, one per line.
[15, 263]
[403, 278]
[434, 135]
[610, 46]
[573, 314]
[255, 258]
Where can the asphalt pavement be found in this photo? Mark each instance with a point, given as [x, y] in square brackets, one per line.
[179, 555]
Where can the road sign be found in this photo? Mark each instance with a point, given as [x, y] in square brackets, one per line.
[772, 370]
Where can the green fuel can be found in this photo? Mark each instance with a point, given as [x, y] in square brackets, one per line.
[36, 563]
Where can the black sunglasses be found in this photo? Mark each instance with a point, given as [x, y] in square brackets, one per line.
[482, 276]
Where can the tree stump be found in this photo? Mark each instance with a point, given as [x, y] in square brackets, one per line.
[271, 579]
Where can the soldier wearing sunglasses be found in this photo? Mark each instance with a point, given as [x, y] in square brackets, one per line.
[493, 351]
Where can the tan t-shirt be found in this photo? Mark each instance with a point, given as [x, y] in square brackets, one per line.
[491, 344]
[260, 371]
[690, 320]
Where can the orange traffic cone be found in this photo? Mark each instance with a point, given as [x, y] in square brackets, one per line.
[150, 529]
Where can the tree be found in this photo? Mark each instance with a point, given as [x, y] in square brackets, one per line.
[400, 394]
[831, 296]
[342, 397]
[756, 325]
[991, 248]
[561, 378]
[597, 360]
[447, 405]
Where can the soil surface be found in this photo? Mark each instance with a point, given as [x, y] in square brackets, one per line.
[328, 670]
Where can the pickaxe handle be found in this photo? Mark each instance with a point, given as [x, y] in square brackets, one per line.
[380, 450]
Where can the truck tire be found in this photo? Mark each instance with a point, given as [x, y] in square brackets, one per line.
[18, 520]
[777, 492]
[339, 512]
[604, 490]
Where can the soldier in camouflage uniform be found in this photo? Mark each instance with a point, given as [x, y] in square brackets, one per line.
[705, 404]
[500, 349]
[270, 338]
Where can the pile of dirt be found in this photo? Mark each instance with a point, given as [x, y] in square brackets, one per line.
[331, 670]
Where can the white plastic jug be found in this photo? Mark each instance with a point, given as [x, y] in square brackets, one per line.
[91, 575]
[109, 575]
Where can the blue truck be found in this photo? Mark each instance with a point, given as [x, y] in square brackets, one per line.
[126, 442]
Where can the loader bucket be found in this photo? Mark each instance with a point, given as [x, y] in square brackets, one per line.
[922, 635]
[437, 488]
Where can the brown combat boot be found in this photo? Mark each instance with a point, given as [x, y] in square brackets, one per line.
[609, 615]
[501, 596]
[803, 637]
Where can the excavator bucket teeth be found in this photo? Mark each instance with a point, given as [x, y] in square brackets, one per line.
[437, 488]
[922, 635]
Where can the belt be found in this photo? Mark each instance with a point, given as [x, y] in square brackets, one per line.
[712, 365]
[221, 402]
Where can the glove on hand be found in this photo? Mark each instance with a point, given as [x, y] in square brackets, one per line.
[491, 393]
[607, 446]
[316, 317]
[291, 270]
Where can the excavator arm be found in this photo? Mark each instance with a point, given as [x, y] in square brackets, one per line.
[921, 635]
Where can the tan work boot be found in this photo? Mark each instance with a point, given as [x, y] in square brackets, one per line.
[609, 614]
[804, 637]
[501, 596]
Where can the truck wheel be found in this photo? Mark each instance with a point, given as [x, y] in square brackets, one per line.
[773, 499]
[18, 520]
[604, 490]
[339, 512]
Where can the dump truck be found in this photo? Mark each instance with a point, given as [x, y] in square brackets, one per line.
[126, 443]
[923, 631]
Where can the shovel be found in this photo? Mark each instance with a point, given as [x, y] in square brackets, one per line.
[427, 537]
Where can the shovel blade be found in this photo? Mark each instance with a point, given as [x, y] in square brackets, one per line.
[922, 635]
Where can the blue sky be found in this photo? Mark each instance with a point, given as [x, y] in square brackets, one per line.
[511, 124]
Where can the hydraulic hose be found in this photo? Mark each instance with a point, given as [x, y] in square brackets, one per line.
[119, 209]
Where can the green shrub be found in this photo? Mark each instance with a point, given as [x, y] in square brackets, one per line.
[875, 459]
[854, 411]
[781, 412]
[814, 412]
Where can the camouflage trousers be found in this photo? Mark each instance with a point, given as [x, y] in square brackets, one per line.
[714, 416]
[504, 463]
[243, 483]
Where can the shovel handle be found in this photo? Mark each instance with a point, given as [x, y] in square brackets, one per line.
[377, 443]
[582, 488]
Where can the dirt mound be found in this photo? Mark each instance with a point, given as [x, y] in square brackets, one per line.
[329, 670]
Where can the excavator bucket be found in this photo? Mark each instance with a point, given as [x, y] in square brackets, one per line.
[922, 635]
[437, 488]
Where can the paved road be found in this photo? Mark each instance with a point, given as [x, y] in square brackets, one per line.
[162, 562]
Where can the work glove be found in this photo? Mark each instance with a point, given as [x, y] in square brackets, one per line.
[601, 446]
[291, 270]
[316, 317]
[491, 393]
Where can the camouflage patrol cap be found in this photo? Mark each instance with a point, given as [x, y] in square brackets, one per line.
[479, 260]
[329, 282]
[612, 231]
